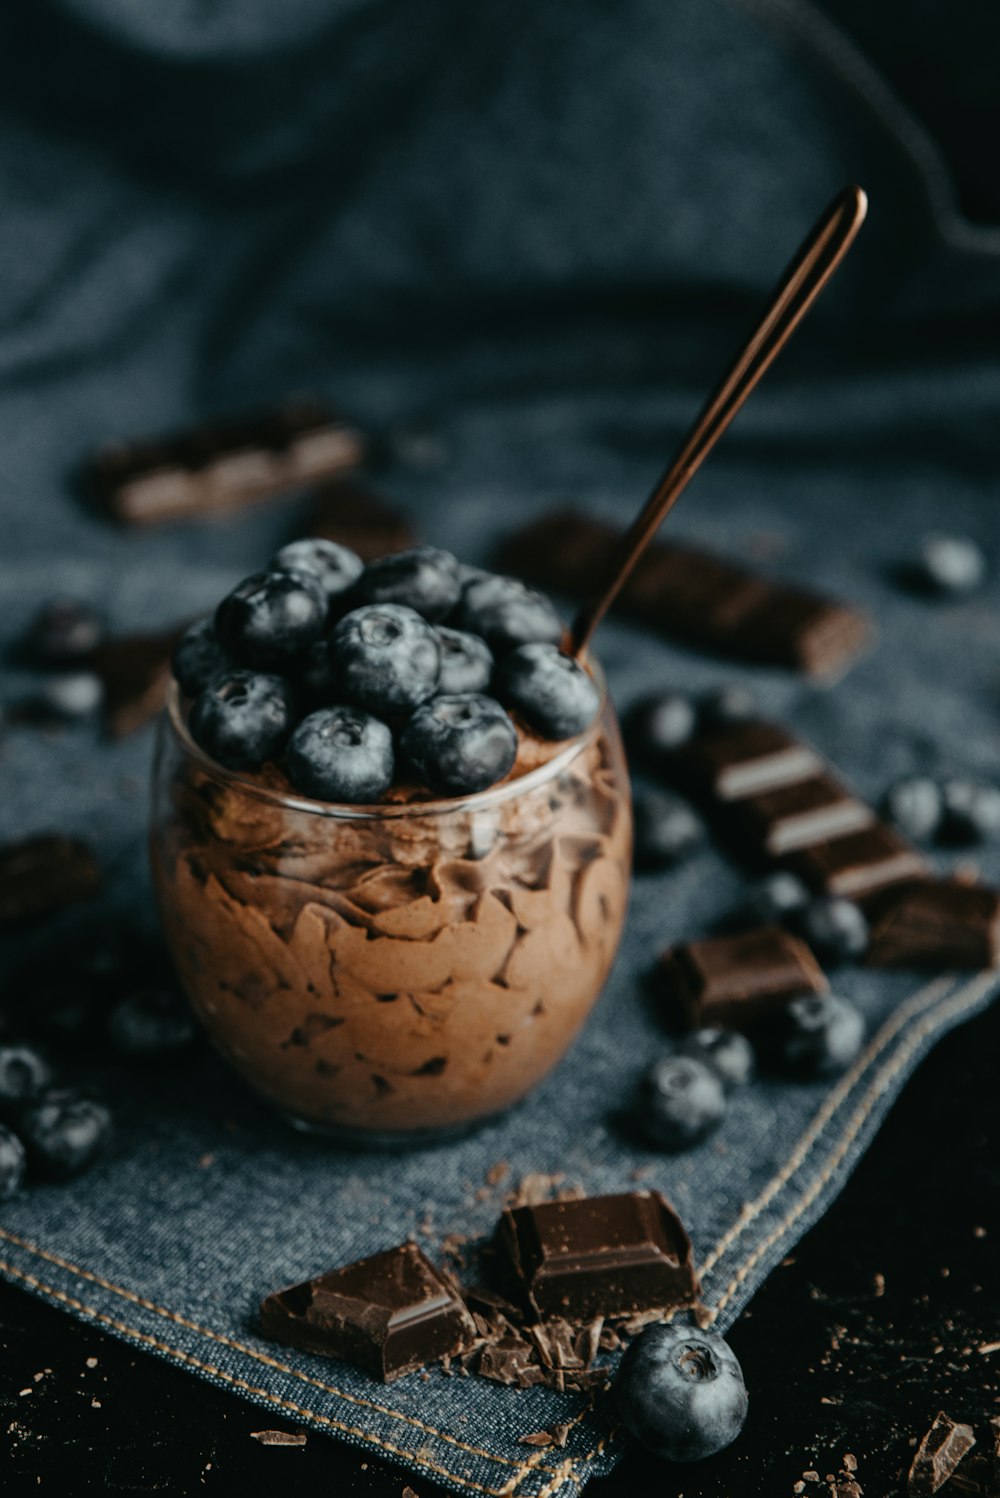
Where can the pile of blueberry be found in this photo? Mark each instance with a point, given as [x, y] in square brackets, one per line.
[357, 676]
[953, 813]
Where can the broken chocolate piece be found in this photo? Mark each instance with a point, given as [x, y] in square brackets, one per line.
[352, 514]
[795, 816]
[599, 1255]
[860, 863]
[511, 1360]
[388, 1314]
[736, 981]
[938, 1454]
[41, 874]
[937, 923]
[745, 759]
[135, 673]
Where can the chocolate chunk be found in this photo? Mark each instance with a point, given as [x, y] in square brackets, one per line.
[795, 816]
[860, 863]
[937, 923]
[745, 759]
[511, 1360]
[695, 596]
[42, 874]
[599, 1255]
[388, 1314]
[735, 981]
[352, 514]
[135, 672]
[224, 465]
[938, 1454]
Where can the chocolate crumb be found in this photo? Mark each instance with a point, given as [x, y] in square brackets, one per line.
[536, 1438]
[279, 1437]
[938, 1455]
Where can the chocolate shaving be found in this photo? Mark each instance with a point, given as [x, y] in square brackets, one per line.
[555, 1341]
[511, 1361]
[279, 1437]
[938, 1455]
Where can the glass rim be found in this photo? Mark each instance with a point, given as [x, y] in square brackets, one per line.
[505, 790]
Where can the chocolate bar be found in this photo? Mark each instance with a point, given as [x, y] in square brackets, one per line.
[937, 923]
[859, 864]
[736, 981]
[695, 596]
[795, 816]
[43, 874]
[354, 515]
[599, 1255]
[388, 1314]
[135, 672]
[224, 465]
[744, 759]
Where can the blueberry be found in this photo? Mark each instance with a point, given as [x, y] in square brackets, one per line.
[971, 811]
[666, 829]
[198, 656]
[150, 1024]
[12, 1158]
[425, 579]
[551, 691]
[75, 694]
[727, 1052]
[385, 658]
[460, 744]
[507, 613]
[835, 928]
[24, 1075]
[681, 1392]
[772, 900]
[915, 805]
[818, 1035]
[951, 565]
[65, 632]
[466, 662]
[341, 754]
[659, 724]
[271, 618]
[64, 1133]
[336, 568]
[681, 1099]
[243, 718]
[314, 680]
[731, 704]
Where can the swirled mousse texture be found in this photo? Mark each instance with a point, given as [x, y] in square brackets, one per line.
[416, 968]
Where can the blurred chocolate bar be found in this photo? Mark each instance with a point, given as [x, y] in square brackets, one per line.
[224, 465]
[42, 874]
[135, 672]
[736, 981]
[351, 513]
[695, 596]
[937, 923]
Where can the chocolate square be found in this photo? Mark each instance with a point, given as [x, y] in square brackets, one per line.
[795, 816]
[736, 981]
[937, 923]
[859, 864]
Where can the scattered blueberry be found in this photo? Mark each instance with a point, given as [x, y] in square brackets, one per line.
[951, 565]
[971, 811]
[681, 1392]
[732, 704]
[915, 805]
[24, 1075]
[425, 579]
[727, 1052]
[818, 1035]
[70, 695]
[835, 928]
[341, 754]
[667, 829]
[466, 662]
[551, 691]
[243, 718]
[12, 1160]
[336, 568]
[460, 744]
[150, 1024]
[681, 1099]
[198, 656]
[772, 900]
[64, 1133]
[659, 724]
[507, 613]
[64, 632]
[385, 657]
[271, 618]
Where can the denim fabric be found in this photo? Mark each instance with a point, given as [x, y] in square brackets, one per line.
[557, 340]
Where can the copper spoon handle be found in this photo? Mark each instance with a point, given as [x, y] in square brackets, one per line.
[814, 263]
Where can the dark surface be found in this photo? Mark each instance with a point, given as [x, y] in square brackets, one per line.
[852, 1346]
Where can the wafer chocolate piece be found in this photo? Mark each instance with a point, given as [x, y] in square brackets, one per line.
[736, 981]
[135, 672]
[224, 465]
[745, 759]
[937, 923]
[795, 816]
[695, 595]
[388, 1314]
[599, 1255]
[352, 514]
[859, 864]
[42, 874]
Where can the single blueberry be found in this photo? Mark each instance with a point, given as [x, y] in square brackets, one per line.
[64, 632]
[24, 1075]
[70, 695]
[466, 662]
[667, 829]
[12, 1161]
[64, 1132]
[727, 1052]
[681, 1392]
[774, 899]
[549, 690]
[271, 617]
[951, 565]
[835, 928]
[658, 724]
[681, 1099]
[385, 658]
[336, 568]
[971, 812]
[507, 613]
[818, 1035]
[149, 1024]
[198, 656]
[341, 754]
[460, 744]
[243, 718]
[731, 704]
[915, 805]
[425, 579]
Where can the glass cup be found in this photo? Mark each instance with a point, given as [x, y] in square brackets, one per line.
[396, 973]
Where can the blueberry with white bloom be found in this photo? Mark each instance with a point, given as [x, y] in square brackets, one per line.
[681, 1099]
[198, 656]
[386, 658]
[507, 613]
[12, 1163]
[271, 618]
[243, 718]
[667, 829]
[64, 1133]
[951, 565]
[915, 805]
[727, 1052]
[460, 744]
[551, 691]
[774, 899]
[971, 811]
[818, 1035]
[681, 1392]
[336, 568]
[341, 754]
[658, 724]
[466, 661]
[836, 928]
[425, 579]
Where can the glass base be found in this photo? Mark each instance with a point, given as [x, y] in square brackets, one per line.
[386, 1139]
